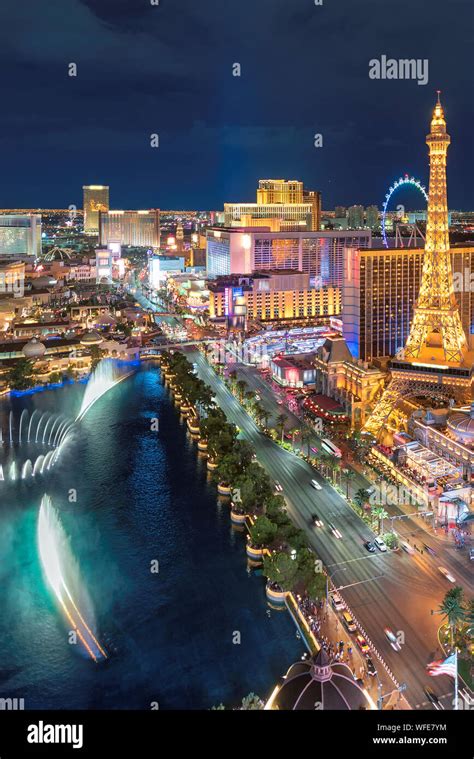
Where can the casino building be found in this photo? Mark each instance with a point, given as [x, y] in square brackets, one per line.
[273, 295]
[245, 250]
[379, 290]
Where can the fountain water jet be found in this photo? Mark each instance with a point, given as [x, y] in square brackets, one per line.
[22, 453]
[106, 375]
[63, 576]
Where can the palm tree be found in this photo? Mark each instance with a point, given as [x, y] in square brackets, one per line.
[259, 412]
[249, 397]
[379, 513]
[361, 497]
[280, 424]
[324, 462]
[331, 463]
[453, 610]
[265, 415]
[348, 475]
[306, 436]
[241, 388]
[336, 467]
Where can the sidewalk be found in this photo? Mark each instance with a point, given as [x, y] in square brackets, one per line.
[341, 645]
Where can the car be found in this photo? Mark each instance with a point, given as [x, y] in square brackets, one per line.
[369, 546]
[316, 521]
[407, 547]
[380, 544]
[337, 602]
[446, 574]
[278, 487]
[431, 696]
[392, 638]
[315, 450]
[471, 554]
[316, 484]
[280, 402]
[362, 643]
[348, 622]
[371, 670]
[334, 531]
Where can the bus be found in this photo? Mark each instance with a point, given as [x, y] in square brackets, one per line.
[329, 447]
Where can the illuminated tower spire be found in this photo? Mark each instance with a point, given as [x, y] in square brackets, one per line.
[436, 325]
[436, 360]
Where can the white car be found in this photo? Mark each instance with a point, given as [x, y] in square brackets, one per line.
[278, 487]
[392, 638]
[315, 484]
[446, 574]
[337, 602]
[334, 531]
[380, 544]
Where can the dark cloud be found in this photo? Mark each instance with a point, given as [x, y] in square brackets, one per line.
[168, 69]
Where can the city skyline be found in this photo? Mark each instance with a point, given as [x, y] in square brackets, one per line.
[236, 367]
[97, 126]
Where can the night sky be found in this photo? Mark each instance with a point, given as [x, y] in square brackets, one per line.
[168, 70]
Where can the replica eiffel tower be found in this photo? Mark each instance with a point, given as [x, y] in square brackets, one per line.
[436, 361]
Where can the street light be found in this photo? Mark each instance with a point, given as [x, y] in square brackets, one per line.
[329, 577]
[402, 687]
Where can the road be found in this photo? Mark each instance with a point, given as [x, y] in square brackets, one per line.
[416, 530]
[397, 590]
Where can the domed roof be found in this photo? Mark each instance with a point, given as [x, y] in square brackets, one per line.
[34, 348]
[318, 683]
[461, 424]
[91, 338]
[58, 254]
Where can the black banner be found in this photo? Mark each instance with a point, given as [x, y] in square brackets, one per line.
[147, 734]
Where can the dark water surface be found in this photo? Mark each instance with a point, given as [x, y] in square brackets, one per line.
[141, 496]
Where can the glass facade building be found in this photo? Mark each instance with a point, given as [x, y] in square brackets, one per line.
[95, 200]
[318, 254]
[380, 288]
[20, 235]
[135, 228]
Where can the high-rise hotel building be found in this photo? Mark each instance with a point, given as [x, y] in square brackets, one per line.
[280, 191]
[318, 254]
[20, 235]
[134, 228]
[380, 287]
[281, 205]
[274, 296]
[95, 200]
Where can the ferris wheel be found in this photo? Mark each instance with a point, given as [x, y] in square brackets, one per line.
[400, 183]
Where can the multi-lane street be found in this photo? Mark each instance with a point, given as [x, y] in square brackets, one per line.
[418, 531]
[394, 590]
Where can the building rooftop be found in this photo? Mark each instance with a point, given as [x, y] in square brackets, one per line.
[298, 360]
[320, 681]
